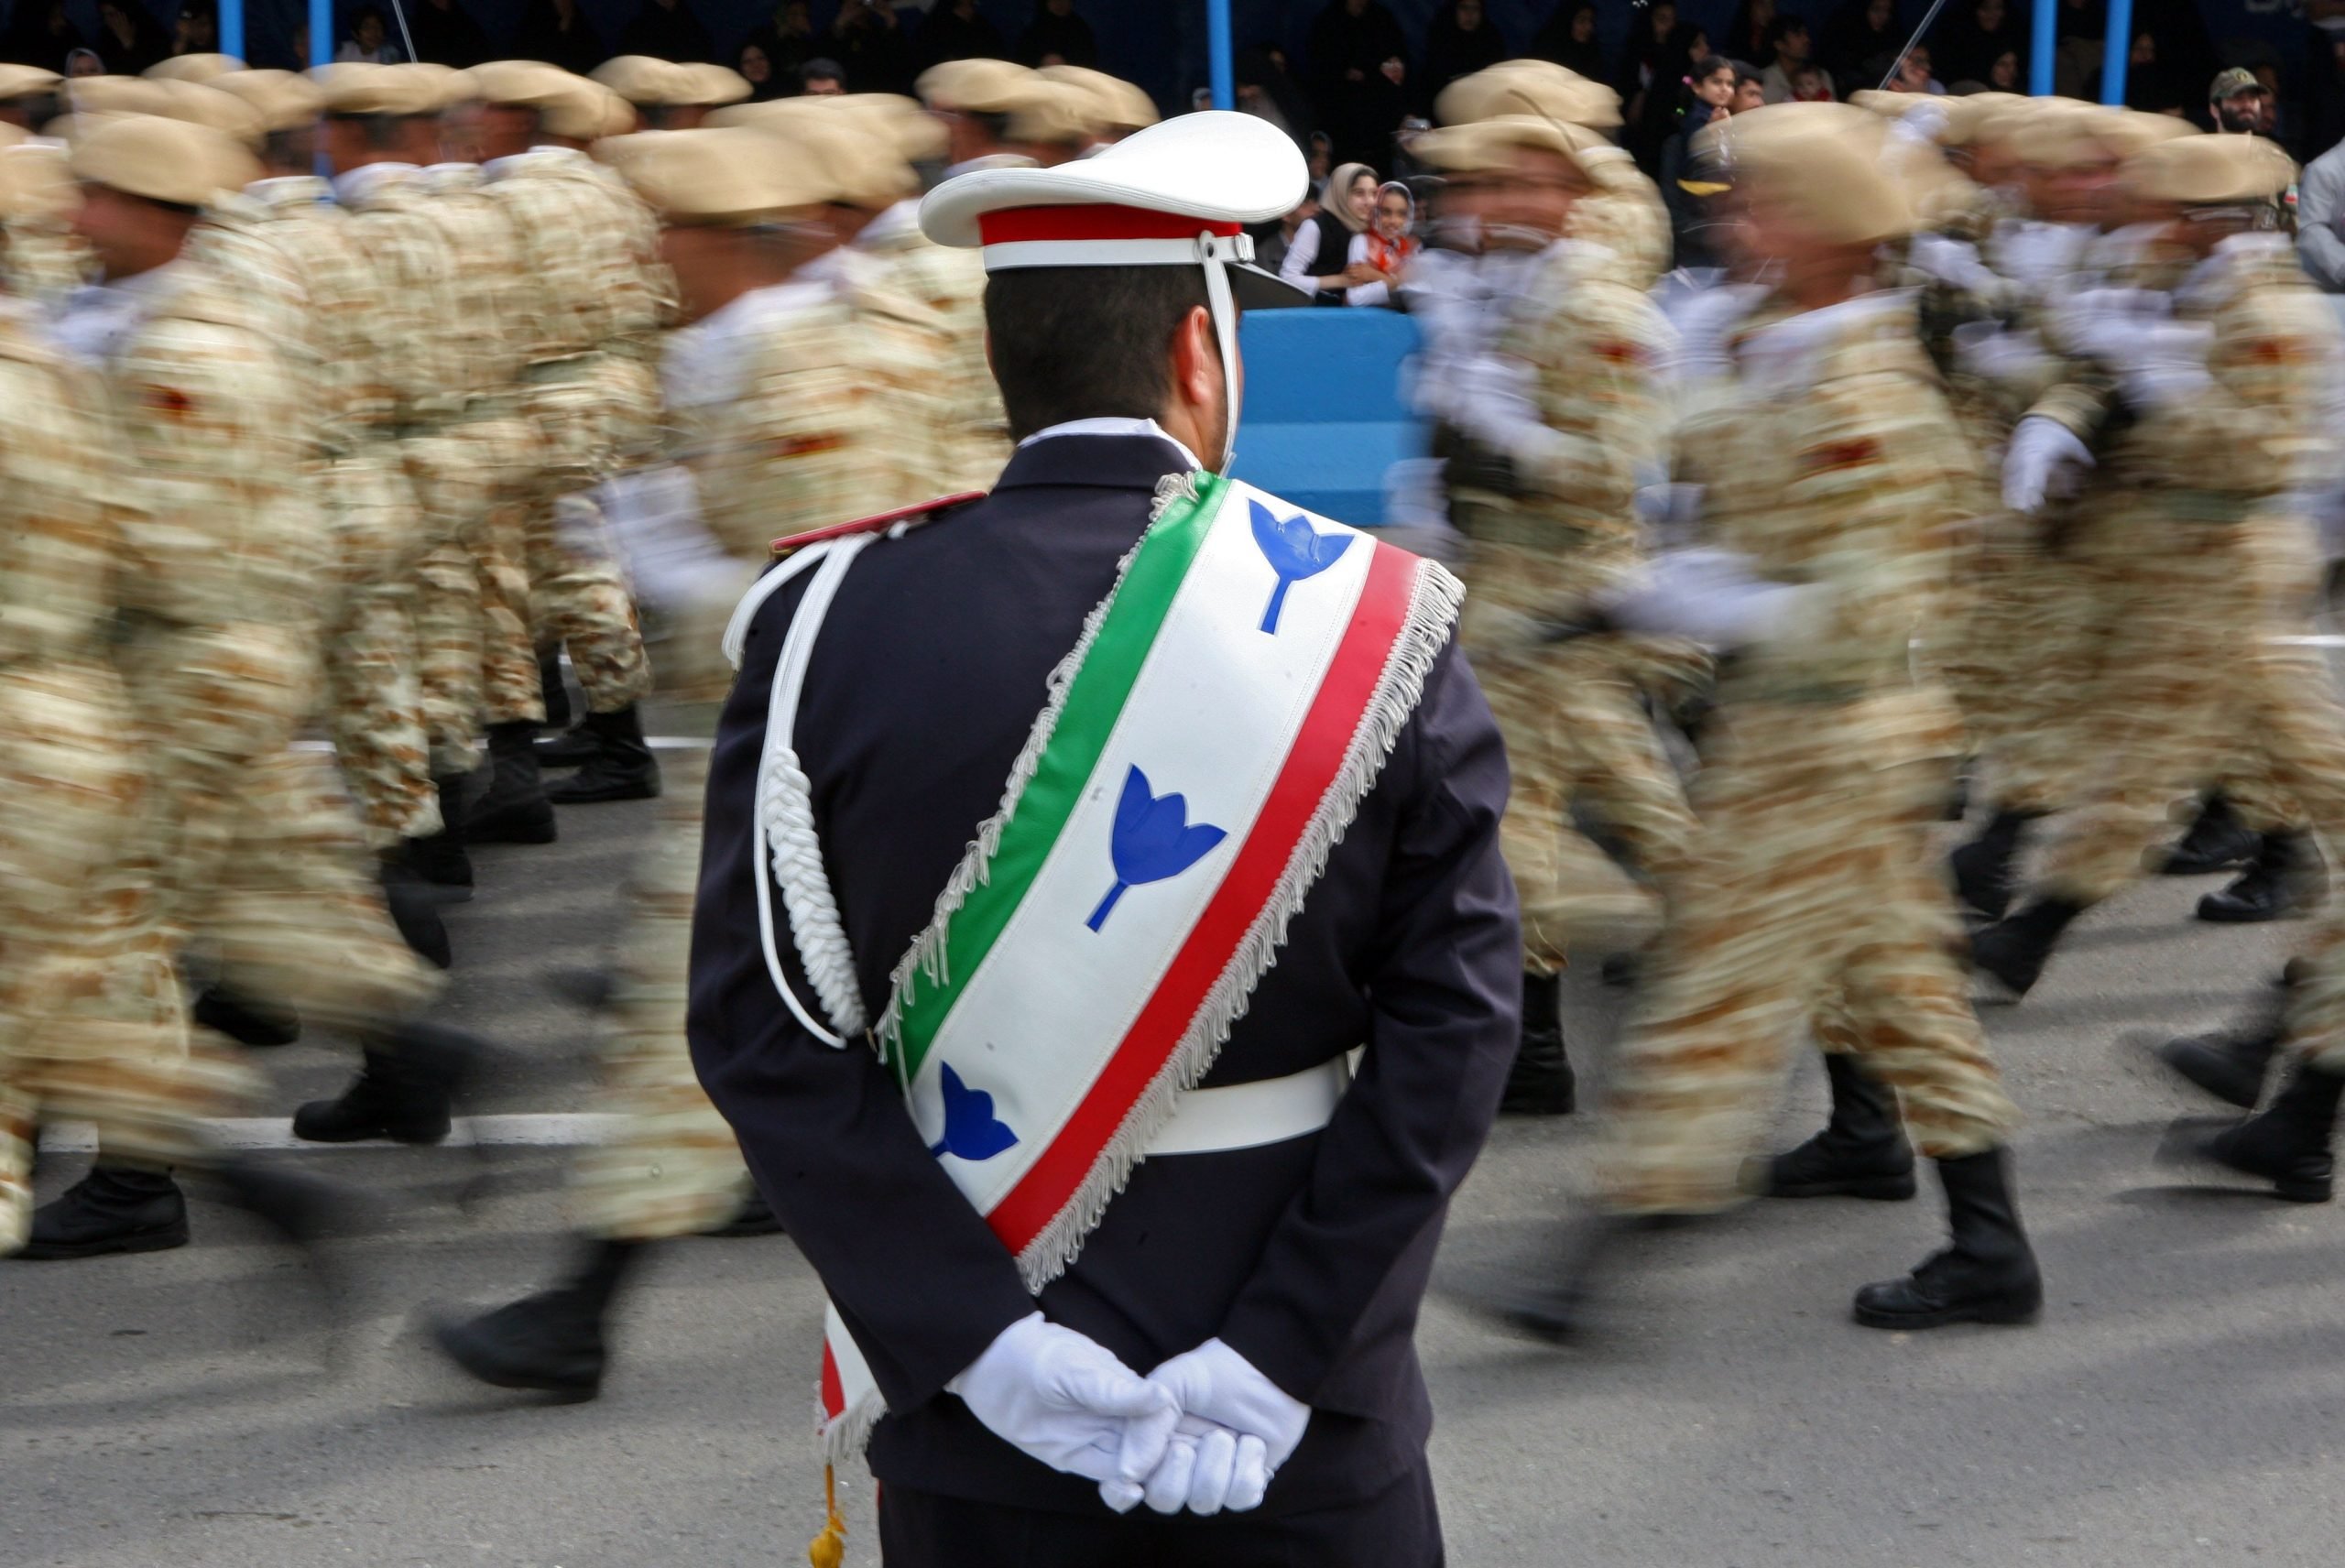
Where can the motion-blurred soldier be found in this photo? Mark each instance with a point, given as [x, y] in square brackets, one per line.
[260, 859]
[668, 97]
[92, 1026]
[589, 392]
[28, 95]
[1118, 107]
[775, 429]
[2219, 421]
[1804, 886]
[1561, 428]
[974, 99]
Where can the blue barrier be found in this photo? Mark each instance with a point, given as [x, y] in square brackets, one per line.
[1323, 416]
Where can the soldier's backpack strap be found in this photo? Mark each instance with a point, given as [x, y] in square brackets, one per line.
[784, 812]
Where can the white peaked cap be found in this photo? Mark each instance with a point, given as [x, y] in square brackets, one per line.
[1178, 193]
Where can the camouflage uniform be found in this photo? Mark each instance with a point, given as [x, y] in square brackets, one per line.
[783, 426]
[2211, 565]
[356, 327]
[1803, 890]
[1571, 714]
[259, 855]
[91, 1024]
[952, 282]
[588, 254]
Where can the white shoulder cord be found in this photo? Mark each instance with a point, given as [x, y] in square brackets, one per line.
[785, 813]
[1215, 251]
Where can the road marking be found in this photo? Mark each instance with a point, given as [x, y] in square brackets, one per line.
[543, 1129]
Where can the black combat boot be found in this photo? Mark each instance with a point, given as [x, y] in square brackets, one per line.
[2217, 840]
[1982, 868]
[1860, 1153]
[551, 1342]
[248, 1020]
[302, 1208]
[405, 1092]
[555, 692]
[1540, 1083]
[440, 858]
[1569, 1303]
[414, 906]
[115, 1208]
[2230, 1064]
[2284, 880]
[2286, 1143]
[514, 808]
[621, 768]
[1988, 1276]
[2014, 950]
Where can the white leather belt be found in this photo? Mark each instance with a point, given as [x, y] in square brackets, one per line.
[1248, 1115]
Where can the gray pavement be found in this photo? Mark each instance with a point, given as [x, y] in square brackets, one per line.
[2182, 1403]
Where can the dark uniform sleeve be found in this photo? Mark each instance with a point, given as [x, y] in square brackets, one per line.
[922, 1284]
[1445, 983]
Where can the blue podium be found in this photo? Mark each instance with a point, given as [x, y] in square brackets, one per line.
[1323, 416]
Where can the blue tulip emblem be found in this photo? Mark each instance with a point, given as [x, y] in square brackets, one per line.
[1295, 550]
[1153, 839]
[970, 1130]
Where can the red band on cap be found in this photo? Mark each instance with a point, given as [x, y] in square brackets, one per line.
[1100, 223]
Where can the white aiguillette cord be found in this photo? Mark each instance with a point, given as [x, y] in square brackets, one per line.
[1214, 253]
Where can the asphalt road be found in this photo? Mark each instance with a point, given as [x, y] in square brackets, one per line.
[2183, 1400]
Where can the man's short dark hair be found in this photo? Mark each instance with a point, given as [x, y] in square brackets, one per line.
[1079, 343]
[1782, 27]
[819, 70]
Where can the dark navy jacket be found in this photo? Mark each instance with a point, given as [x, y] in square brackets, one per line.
[1308, 1256]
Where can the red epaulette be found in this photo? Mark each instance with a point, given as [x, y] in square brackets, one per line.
[782, 546]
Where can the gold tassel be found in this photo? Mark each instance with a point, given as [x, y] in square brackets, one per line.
[828, 1550]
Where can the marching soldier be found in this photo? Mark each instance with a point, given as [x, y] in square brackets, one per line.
[1002, 1257]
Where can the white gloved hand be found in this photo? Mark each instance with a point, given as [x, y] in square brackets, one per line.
[1710, 595]
[2105, 324]
[1237, 1428]
[2165, 364]
[1062, 1398]
[2044, 459]
[1992, 352]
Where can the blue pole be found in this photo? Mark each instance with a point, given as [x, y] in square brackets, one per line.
[1225, 90]
[2041, 45]
[2121, 51]
[321, 32]
[232, 28]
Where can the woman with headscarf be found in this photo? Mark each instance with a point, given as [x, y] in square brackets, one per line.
[1569, 39]
[128, 37]
[1384, 247]
[1655, 115]
[1459, 40]
[1859, 44]
[42, 32]
[1317, 257]
[1967, 41]
[1746, 35]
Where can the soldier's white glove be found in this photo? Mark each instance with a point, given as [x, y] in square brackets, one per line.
[1709, 595]
[1992, 352]
[2165, 364]
[1065, 1399]
[1237, 1428]
[2106, 323]
[2044, 459]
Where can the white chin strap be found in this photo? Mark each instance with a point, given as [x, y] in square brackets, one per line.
[1215, 251]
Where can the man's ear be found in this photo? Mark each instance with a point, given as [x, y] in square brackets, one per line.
[1196, 360]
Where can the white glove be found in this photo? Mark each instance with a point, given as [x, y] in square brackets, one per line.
[1064, 1398]
[1710, 595]
[2165, 364]
[1992, 352]
[2105, 324]
[2045, 458]
[1238, 1427]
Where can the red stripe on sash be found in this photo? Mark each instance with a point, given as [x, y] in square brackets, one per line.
[1310, 769]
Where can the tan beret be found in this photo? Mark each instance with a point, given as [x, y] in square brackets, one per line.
[449, 85]
[982, 86]
[163, 159]
[842, 155]
[1975, 118]
[640, 78]
[1053, 112]
[2130, 131]
[2207, 170]
[1529, 87]
[589, 112]
[194, 66]
[1822, 163]
[284, 100]
[724, 176]
[700, 83]
[2065, 133]
[36, 184]
[1486, 145]
[202, 106]
[404, 91]
[1115, 104]
[918, 135]
[24, 80]
[96, 95]
[523, 83]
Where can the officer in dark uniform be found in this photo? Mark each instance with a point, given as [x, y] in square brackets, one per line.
[1279, 1275]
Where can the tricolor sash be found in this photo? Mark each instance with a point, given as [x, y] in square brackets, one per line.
[1204, 748]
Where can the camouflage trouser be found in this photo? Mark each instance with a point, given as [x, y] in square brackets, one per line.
[578, 598]
[1575, 731]
[670, 1166]
[1803, 894]
[374, 697]
[466, 473]
[2032, 618]
[91, 1023]
[2190, 677]
[2316, 1018]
